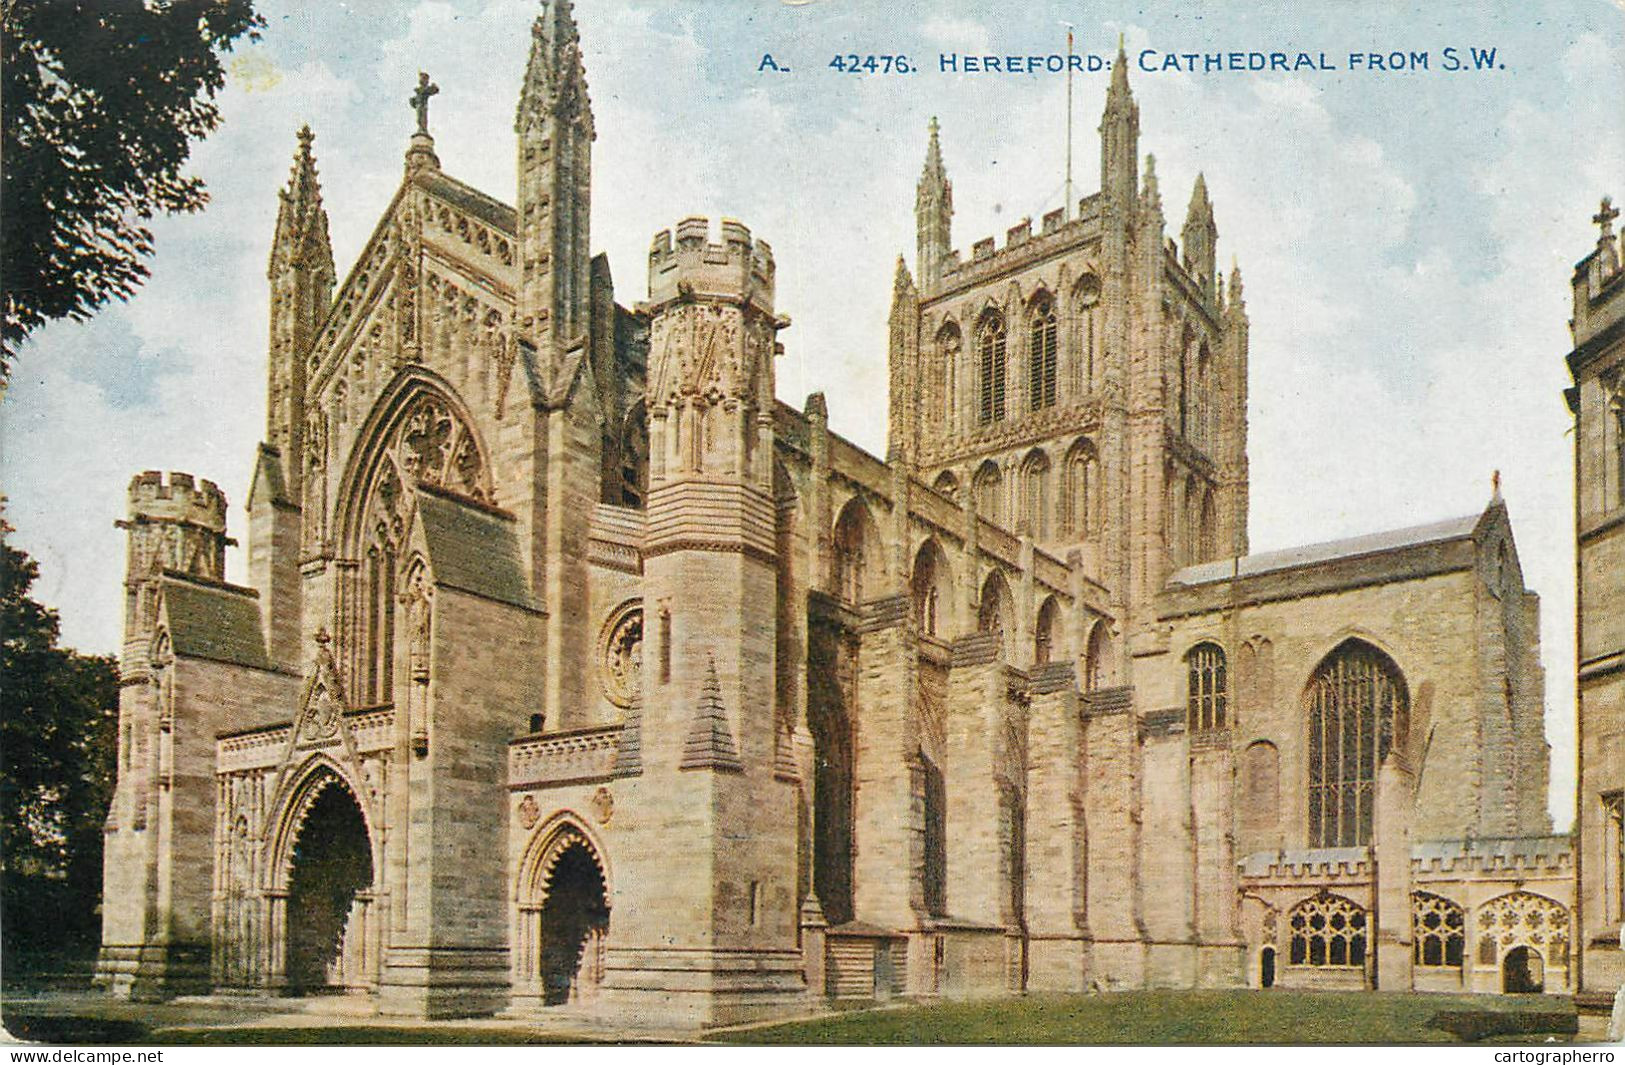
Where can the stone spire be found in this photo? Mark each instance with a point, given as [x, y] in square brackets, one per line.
[555, 79]
[933, 214]
[301, 275]
[1201, 237]
[301, 220]
[1119, 135]
[555, 128]
[709, 744]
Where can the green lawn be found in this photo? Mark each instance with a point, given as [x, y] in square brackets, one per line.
[1157, 1017]
[1154, 1017]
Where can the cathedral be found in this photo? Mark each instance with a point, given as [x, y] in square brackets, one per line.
[576, 671]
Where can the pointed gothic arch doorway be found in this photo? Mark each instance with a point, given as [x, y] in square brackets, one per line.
[563, 921]
[329, 893]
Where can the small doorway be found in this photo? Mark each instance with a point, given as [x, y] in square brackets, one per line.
[574, 922]
[1523, 972]
[1266, 967]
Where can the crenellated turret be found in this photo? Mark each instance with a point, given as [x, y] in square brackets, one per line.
[176, 524]
[933, 215]
[713, 336]
[1201, 238]
[555, 127]
[301, 276]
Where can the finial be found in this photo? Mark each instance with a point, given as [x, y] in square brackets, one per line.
[1121, 40]
[1604, 219]
[305, 137]
[322, 638]
[420, 101]
[1495, 487]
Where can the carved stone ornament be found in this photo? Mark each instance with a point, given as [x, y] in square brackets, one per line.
[529, 812]
[603, 805]
[623, 654]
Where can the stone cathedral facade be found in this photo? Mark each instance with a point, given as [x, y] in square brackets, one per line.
[575, 670]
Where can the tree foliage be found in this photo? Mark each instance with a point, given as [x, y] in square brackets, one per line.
[58, 753]
[103, 99]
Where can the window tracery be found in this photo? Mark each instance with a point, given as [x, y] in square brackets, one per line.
[1358, 709]
[990, 351]
[1207, 691]
[1438, 929]
[1327, 930]
[1041, 353]
[1523, 919]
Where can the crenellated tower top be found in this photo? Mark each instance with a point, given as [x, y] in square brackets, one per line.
[738, 269]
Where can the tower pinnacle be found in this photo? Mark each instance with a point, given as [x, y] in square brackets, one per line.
[933, 213]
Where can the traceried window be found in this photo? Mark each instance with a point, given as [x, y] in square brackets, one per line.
[947, 484]
[1207, 692]
[991, 611]
[1327, 930]
[1522, 919]
[634, 481]
[1086, 310]
[1617, 411]
[1041, 360]
[1438, 930]
[1080, 488]
[990, 359]
[1358, 709]
[989, 488]
[948, 344]
[851, 546]
[928, 585]
[1035, 496]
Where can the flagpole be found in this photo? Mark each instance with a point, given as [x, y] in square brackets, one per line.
[1068, 206]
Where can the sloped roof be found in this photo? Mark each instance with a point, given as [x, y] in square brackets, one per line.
[466, 197]
[1329, 551]
[473, 549]
[217, 622]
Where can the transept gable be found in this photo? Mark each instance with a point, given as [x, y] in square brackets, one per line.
[418, 433]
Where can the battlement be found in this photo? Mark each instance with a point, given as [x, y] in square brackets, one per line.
[1514, 856]
[177, 498]
[736, 268]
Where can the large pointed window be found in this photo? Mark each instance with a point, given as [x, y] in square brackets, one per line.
[990, 359]
[1041, 343]
[1358, 709]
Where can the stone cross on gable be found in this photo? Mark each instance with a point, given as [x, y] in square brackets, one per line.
[420, 100]
[1604, 218]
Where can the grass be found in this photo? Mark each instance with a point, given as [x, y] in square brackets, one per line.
[1135, 1017]
[1154, 1017]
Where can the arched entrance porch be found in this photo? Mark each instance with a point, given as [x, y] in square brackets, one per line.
[324, 913]
[563, 920]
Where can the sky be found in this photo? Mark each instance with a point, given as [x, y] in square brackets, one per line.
[1406, 238]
